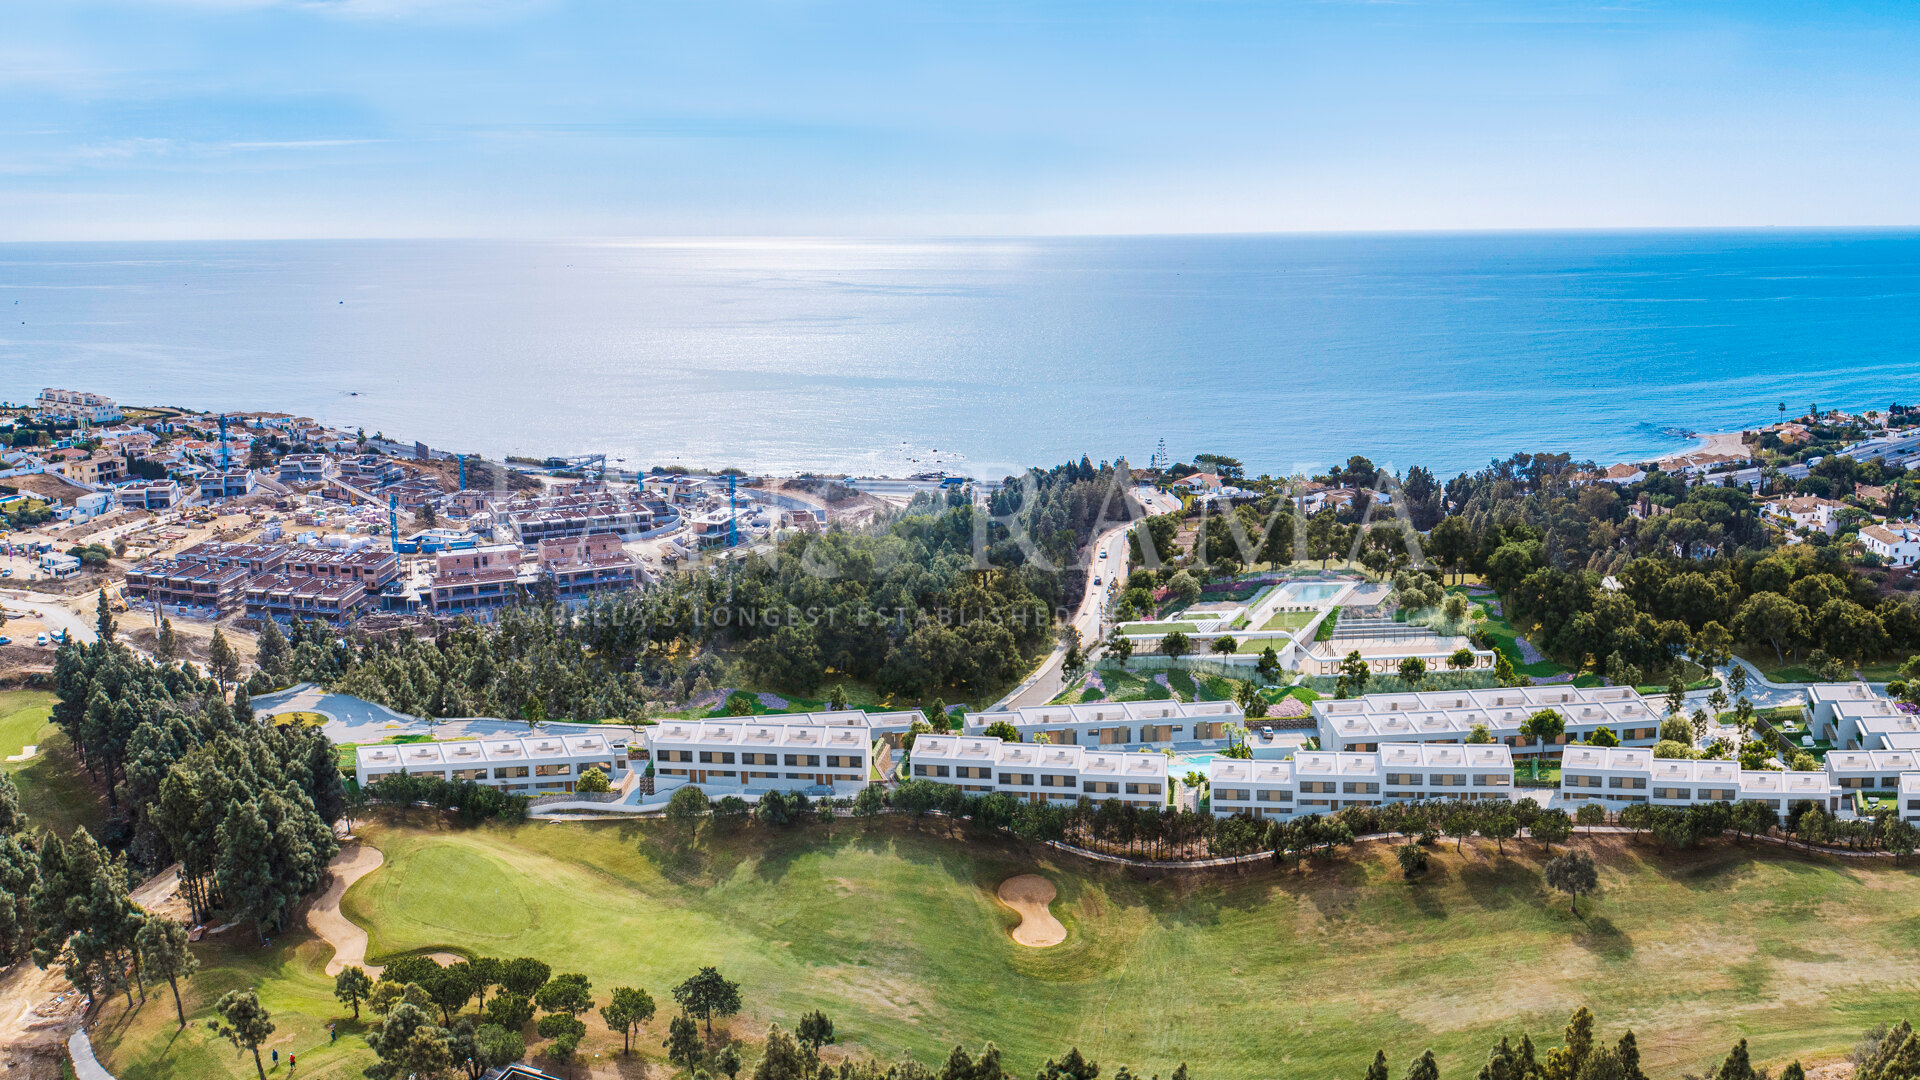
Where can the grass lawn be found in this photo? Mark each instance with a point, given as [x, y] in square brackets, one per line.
[52, 792]
[1505, 638]
[897, 935]
[1797, 672]
[1290, 620]
[1158, 627]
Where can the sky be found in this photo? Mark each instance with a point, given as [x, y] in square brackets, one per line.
[164, 119]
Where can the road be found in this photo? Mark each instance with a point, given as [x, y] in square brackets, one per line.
[52, 612]
[1107, 573]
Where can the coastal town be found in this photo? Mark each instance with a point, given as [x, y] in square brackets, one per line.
[1181, 668]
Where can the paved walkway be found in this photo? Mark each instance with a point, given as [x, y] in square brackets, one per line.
[324, 919]
[85, 1065]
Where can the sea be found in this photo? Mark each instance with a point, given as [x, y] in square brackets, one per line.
[984, 356]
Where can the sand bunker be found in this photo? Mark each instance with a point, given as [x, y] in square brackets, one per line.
[1029, 894]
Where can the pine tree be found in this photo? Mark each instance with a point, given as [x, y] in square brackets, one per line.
[163, 948]
[223, 663]
[166, 646]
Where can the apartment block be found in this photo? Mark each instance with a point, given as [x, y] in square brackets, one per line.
[75, 407]
[815, 753]
[1324, 782]
[156, 494]
[1620, 776]
[533, 765]
[1041, 772]
[1116, 723]
[1449, 716]
[583, 513]
[303, 468]
[580, 566]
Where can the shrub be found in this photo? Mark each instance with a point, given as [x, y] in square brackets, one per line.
[1413, 860]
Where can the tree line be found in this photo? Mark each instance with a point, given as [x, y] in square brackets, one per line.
[943, 596]
[64, 902]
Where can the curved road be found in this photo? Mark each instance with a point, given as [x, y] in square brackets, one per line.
[51, 612]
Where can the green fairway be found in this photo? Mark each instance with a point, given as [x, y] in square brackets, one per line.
[897, 935]
[52, 792]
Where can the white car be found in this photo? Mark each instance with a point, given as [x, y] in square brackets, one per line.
[41, 640]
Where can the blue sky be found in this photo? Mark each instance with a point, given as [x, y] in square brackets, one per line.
[241, 118]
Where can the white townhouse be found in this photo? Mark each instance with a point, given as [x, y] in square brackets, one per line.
[1415, 771]
[1910, 797]
[531, 765]
[1852, 717]
[1780, 790]
[1449, 716]
[1323, 782]
[1615, 774]
[815, 753]
[1683, 782]
[1896, 545]
[1849, 771]
[1041, 772]
[1621, 775]
[1117, 723]
[1258, 788]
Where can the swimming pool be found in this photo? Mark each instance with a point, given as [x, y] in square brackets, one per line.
[1195, 762]
[1309, 592]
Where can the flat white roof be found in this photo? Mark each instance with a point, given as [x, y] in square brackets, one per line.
[1615, 758]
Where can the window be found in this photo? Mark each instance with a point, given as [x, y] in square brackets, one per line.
[1143, 789]
[1492, 779]
[1447, 779]
[1403, 779]
[1711, 794]
[803, 759]
[759, 759]
[1352, 787]
[1317, 787]
[1101, 787]
[844, 761]
[1275, 795]
[929, 770]
[1056, 780]
[552, 770]
[717, 757]
[509, 772]
[1579, 781]
[1021, 779]
[1672, 793]
[974, 772]
[1633, 782]
[1231, 794]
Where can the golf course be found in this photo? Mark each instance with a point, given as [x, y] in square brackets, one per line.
[897, 933]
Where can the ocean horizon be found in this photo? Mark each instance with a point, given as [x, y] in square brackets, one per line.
[984, 356]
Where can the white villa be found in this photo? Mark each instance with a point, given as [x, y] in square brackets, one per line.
[1448, 716]
[1896, 545]
[1041, 772]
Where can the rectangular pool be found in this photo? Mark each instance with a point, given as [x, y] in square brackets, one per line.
[1309, 592]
